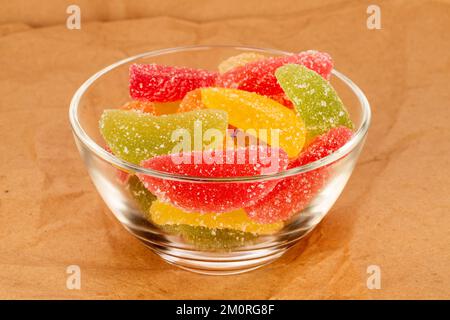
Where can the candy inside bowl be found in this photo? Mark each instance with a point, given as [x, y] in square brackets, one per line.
[219, 158]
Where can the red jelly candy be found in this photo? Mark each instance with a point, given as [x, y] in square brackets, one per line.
[158, 83]
[215, 196]
[292, 194]
[259, 76]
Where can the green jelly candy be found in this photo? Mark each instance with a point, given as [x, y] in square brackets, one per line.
[211, 239]
[135, 136]
[139, 192]
[315, 100]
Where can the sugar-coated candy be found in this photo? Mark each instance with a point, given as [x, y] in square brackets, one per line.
[259, 76]
[292, 194]
[191, 101]
[251, 111]
[211, 239]
[314, 98]
[256, 116]
[139, 192]
[323, 146]
[244, 58]
[239, 60]
[163, 213]
[135, 136]
[204, 197]
[159, 83]
[121, 175]
[216, 239]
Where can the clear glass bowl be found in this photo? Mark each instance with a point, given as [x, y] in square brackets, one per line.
[199, 249]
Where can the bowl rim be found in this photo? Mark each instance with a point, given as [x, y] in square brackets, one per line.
[99, 151]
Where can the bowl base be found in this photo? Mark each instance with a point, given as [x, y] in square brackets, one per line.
[225, 267]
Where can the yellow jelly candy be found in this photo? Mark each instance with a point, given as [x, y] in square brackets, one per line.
[139, 192]
[239, 60]
[162, 108]
[163, 213]
[260, 116]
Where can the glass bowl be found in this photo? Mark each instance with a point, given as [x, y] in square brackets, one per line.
[221, 249]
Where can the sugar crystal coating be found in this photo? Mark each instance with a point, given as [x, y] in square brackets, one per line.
[314, 98]
[165, 214]
[323, 146]
[293, 193]
[211, 239]
[193, 101]
[245, 58]
[158, 83]
[205, 197]
[259, 76]
[135, 136]
[154, 108]
[121, 175]
[248, 110]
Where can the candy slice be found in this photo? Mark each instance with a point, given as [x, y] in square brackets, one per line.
[135, 136]
[270, 121]
[239, 60]
[323, 146]
[193, 101]
[143, 197]
[211, 239]
[259, 76]
[314, 98]
[165, 214]
[244, 58]
[158, 83]
[204, 197]
[292, 194]
[142, 106]
[288, 197]
[282, 99]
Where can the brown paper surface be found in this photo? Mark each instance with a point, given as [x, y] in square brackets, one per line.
[394, 212]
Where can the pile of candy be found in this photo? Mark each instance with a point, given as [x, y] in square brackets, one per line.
[289, 112]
